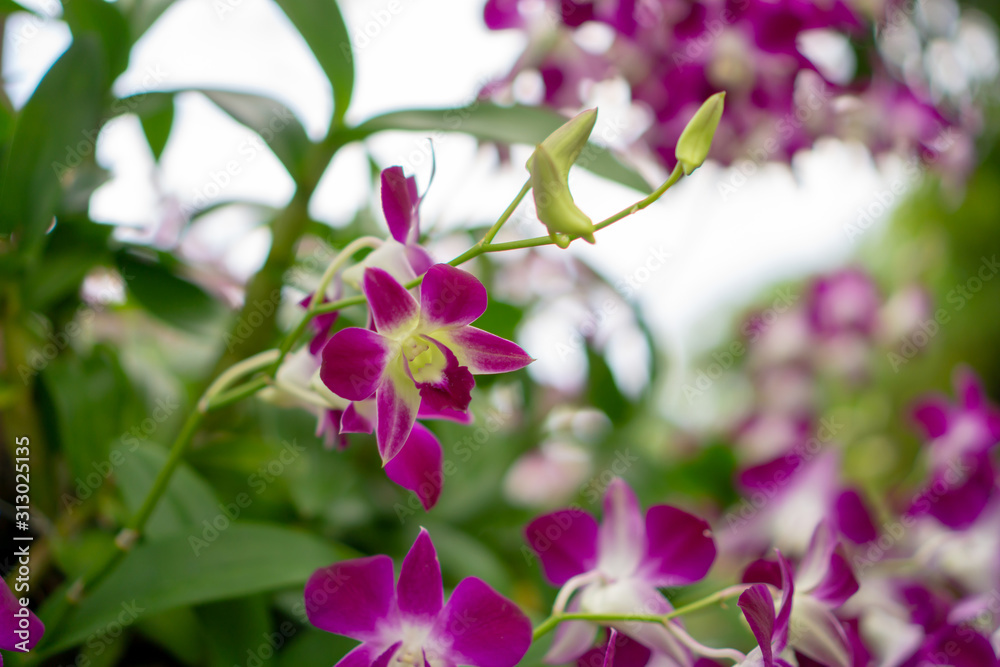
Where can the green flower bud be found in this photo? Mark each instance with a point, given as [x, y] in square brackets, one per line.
[554, 203]
[565, 144]
[696, 139]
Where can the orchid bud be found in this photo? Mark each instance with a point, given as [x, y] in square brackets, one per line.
[565, 144]
[553, 201]
[696, 139]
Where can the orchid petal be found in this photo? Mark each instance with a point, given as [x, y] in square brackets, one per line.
[417, 467]
[386, 657]
[481, 627]
[853, 518]
[419, 590]
[818, 634]
[968, 389]
[483, 353]
[839, 583]
[10, 624]
[399, 204]
[816, 561]
[451, 394]
[630, 596]
[758, 608]
[932, 415]
[680, 549]
[420, 260]
[571, 640]
[566, 543]
[763, 571]
[624, 651]
[396, 404]
[352, 598]
[358, 417]
[394, 309]
[361, 656]
[782, 622]
[622, 536]
[354, 362]
[450, 297]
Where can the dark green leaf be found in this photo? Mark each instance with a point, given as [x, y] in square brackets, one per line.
[71, 251]
[168, 296]
[509, 125]
[156, 125]
[104, 20]
[184, 570]
[322, 26]
[237, 630]
[602, 390]
[55, 130]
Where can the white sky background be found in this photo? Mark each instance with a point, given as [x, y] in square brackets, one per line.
[724, 250]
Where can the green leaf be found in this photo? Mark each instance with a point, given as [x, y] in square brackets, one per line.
[157, 123]
[185, 570]
[271, 120]
[142, 14]
[315, 647]
[508, 125]
[322, 26]
[188, 501]
[168, 296]
[88, 398]
[71, 251]
[55, 130]
[602, 390]
[238, 629]
[104, 20]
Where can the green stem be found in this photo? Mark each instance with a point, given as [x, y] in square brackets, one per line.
[492, 231]
[675, 176]
[552, 621]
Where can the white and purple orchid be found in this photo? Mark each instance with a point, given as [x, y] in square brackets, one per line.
[961, 437]
[822, 583]
[420, 359]
[409, 623]
[771, 630]
[616, 568]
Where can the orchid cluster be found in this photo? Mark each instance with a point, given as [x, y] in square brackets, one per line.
[794, 70]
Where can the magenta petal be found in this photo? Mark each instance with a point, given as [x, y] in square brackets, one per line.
[417, 467]
[481, 627]
[386, 657]
[452, 392]
[839, 583]
[968, 389]
[624, 651]
[361, 656]
[10, 624]
[396, 405]
[420, 591]
[420, 260]
[394, 310]
[483, 353]
[758, 608]
[451, 297]
[359, 417]
[961, 504]
[353, 363]
[932, 415]
[352, 598]
[428, 411]
[853, 518]
[566, 543]
[399, 204]
[783, 620]
[622, 536]
[763, 571]
[680, 549]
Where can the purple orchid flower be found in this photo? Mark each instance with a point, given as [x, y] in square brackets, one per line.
[421, 356]
[401, 206]
[770, 630]
[844, 302]
[409, 623]
[961, 438]
[823, 581]
[617, 567]
[20, 629]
